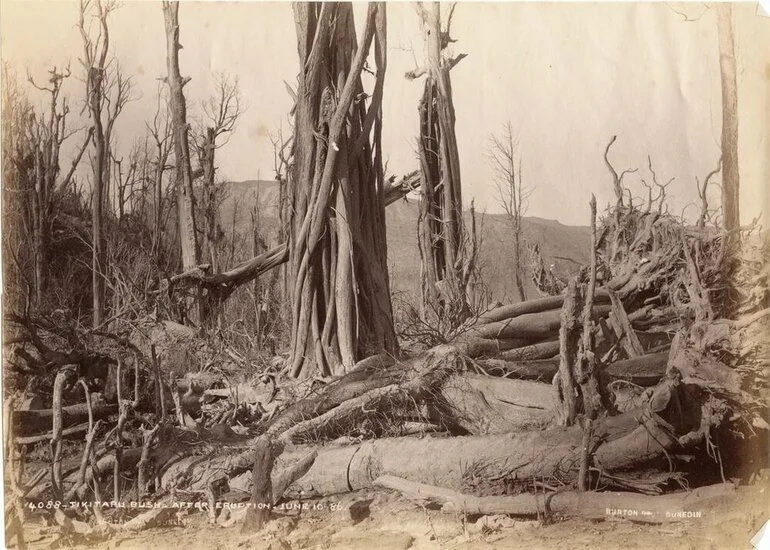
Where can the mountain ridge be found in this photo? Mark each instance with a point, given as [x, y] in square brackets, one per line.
[563, 246]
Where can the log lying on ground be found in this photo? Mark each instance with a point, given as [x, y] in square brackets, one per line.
[487, 464]
[491, 405]
[543, 350]
[537, 305]
[369, 374]
[67, 433]
[33, 422]
[587, 505]
[644, 371]
[530, 325]
[474, 346]
[541, 369]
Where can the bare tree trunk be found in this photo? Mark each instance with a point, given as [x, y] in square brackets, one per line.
[730, 180]
[184, 180]
[441, 232]
[210, 210]
[517, 259]
[96, 63]
[107, 92]
[341, 310]
[39, 242]
[158, 199]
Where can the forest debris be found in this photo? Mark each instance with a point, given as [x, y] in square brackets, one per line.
[36, 421]
[490, 405]
[544, 324]
[644, 371]
[482, 463]
[622, 326]
[586, 505]
[261, 486]
[537, 305]
[543, 350]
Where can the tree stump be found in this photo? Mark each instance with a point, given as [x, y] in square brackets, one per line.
[262, 488]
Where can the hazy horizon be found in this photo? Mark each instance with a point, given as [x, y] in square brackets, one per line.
[567, 76]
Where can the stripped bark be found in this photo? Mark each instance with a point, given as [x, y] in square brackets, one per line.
[447, 260]
[586, 364]
[63, 377]
[564, 381]
[727, 70]
[341, 308]
[184, 180]
[262, 488]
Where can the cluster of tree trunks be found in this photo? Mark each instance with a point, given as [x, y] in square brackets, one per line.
[340, 300]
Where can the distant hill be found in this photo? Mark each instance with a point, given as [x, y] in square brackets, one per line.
[562, 245]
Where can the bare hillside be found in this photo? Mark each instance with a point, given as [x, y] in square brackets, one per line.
[563, 246]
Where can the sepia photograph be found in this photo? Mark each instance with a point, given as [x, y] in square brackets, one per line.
[390, 275]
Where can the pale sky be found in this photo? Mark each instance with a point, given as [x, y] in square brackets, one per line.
[567, 76]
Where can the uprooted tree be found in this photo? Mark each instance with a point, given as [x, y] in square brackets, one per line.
[341, 309]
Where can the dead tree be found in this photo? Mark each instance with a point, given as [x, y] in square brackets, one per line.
[727, 69]
[46, 133]
[107, 92]
[221, 115]
[184, 180]
[447, 263]
[512, 196]
[341, 308]
[161, 132]
[17, 154]
[126, 179]
[617, 179]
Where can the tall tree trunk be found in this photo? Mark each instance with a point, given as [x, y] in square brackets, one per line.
[517, 257]
[38, 241]
[157, 189]
[97, 220]
[184, 181]
[210, 210]
[440, 223]
[730, 181]
[341, 310]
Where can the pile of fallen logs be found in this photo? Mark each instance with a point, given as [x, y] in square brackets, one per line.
[638, 379]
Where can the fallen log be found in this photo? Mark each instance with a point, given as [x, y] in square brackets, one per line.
[541, 370]
[490, 464]
[540, 325]
[34, 422]
[66, 433]
[645, 370]
[367, 375]
[537, 305]
[587, 505]
[474, 346]
[490, 405]
[543, 350]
